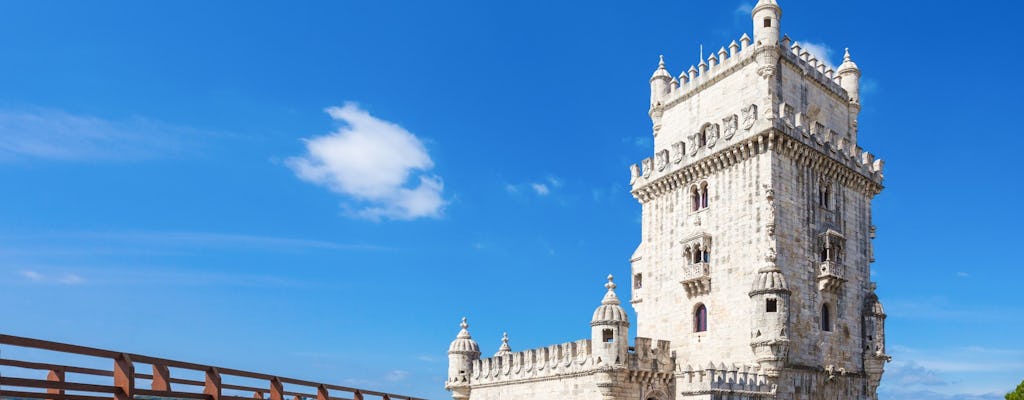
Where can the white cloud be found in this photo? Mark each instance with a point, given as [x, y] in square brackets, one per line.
[745, 8]
[540, 188]
[372, 161]
[57, 135]
[963, 274]
[32, 276]
[396, 375]
[65, 279]
[820, 51]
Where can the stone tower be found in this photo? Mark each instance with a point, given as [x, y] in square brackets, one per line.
[756, 237]
[752, 277]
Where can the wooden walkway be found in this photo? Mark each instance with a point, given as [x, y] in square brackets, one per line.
[57, 386]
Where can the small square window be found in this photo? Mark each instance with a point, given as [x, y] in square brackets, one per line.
[767, 22]
[771, 305]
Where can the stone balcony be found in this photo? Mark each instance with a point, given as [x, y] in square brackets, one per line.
[696, 279]
[831, 276]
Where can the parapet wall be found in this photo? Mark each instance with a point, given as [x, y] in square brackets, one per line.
[567, 360]
[722, 379]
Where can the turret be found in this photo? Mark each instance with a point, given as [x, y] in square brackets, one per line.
[609, 329]
[660, 82]
[767, 17]
[461, 354]
[874, 340]
[849, 75]
[769, 331]
[505, 349]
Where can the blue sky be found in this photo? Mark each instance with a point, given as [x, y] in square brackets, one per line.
[335, 184]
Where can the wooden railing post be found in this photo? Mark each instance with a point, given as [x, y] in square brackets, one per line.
[257, 395]
[357, 395]
[161, 378]
[55, 375]
[124, 378]
[212, 387]
[276, 389]
[322, 393]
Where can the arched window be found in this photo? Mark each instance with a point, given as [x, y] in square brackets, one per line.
[825, 195]
[607, 336]
[694, 199]
[826, 318]
[704, 195]
[700, 319]
[706, 256]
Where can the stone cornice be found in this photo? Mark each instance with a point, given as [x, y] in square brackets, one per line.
[781, 139]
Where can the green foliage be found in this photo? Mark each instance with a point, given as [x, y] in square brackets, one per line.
[1017, 394]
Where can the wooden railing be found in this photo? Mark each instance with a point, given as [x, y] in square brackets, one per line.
[163, 385]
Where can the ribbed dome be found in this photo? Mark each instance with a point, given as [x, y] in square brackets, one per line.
[769, 278]
[661, 72]
[848, 65]
[464, 343]
[610, 311]
[766, 4]
[873, 306]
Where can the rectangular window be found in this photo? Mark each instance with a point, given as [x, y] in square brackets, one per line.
[638, 281]
[767, 22]
[771, 305]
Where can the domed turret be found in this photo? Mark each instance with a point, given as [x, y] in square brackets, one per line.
[767, 17]
[660, 82]
[461, 354]
[769, 296]
[850, 77]
[609, 328]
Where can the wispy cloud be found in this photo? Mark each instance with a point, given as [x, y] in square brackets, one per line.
[378, 166]
[138, 241]
[820, 51]
[539, 188]
[396, 375]
[744, 8]
[61, 278]
[58, 135]
[963, 274]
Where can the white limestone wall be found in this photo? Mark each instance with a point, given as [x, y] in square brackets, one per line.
[800, 222]
[735, 220]
[567, 387]
[726, 94]
[814, 102]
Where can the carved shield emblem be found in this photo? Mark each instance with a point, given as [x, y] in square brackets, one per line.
[661, 159]
[749, 116]
[648, 166]
[693, 144]
[711, 134]
[729, 125]
[634, 173]
[677, 152]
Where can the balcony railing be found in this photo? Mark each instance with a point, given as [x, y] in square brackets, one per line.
[831, 275]
[696, 279]
[216, 383]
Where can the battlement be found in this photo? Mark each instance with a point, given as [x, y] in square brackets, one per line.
[712, 379]
[567, 359]
[814, 69]
[707, 72]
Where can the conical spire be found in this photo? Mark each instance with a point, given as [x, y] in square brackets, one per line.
[505, 348]
[610, 297]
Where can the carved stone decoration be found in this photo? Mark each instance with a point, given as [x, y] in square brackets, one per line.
[729, 125]
[749, 116]
[711, 134]
[769, 196]
[634, 173]
[661, 160]
[678, 148]
[789, 115]
[693, 144]
[648, 167]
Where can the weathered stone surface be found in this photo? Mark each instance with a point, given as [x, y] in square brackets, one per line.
[756, 205]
